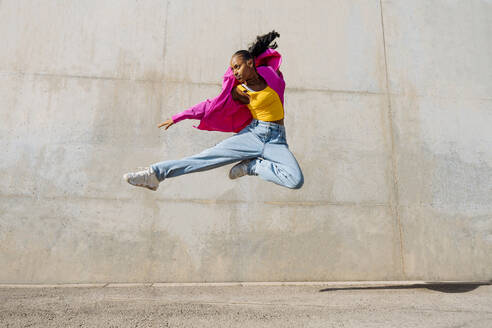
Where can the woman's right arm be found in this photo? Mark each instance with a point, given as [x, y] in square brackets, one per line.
[195, 113]
[166, 124]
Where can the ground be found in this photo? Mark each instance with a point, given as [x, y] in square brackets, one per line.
[329, 305]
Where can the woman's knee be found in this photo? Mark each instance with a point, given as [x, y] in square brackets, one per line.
[296, 181]
[299, 183]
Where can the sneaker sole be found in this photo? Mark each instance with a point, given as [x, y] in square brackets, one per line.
[235, 177]
[233, 168]
[125, 177]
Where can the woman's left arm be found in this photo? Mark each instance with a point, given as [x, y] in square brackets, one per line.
[239, 95]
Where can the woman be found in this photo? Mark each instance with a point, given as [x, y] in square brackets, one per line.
[250, 104]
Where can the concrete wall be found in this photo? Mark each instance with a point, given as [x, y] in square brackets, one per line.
[389, 112]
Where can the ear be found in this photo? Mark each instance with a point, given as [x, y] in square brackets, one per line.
[249, 62]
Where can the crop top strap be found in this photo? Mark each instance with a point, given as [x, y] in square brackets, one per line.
[247, 88]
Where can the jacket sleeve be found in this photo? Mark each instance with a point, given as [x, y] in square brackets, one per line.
[195, 112]
[276, 77]
[198, 111]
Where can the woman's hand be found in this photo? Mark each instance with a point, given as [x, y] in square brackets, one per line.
[166, 124]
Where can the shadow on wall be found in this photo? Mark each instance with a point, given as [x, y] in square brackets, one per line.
[436, 286]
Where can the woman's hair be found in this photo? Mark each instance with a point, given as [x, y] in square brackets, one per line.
[258, 47]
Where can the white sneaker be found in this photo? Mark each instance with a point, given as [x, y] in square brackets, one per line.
[239, 170]
[145, 178]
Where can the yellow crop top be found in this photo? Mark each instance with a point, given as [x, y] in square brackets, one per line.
[265, 105]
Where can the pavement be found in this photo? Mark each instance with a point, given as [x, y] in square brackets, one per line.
[356, 304]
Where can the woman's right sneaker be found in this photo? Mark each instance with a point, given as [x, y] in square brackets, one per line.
[145, 178]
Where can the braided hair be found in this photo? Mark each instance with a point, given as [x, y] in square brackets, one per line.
[258, 47]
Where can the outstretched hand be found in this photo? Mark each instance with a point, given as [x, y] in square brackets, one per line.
[166, 124]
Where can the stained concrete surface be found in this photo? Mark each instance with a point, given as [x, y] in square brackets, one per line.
[410, 305]
[388, 111]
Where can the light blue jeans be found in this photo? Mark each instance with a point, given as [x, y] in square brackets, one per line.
[264, 142]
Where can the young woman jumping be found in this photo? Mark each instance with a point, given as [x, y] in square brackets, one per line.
[252, 105]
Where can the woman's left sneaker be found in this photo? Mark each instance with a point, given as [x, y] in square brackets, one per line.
[239, 170]
[145, 178]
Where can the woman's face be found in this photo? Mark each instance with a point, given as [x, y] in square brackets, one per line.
[243, 69]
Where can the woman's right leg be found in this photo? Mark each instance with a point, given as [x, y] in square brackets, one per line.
[278, 165]
[243, 145]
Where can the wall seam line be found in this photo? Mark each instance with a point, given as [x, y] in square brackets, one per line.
[395, 206]
[164, 80]
[202, 83]
[197, 200]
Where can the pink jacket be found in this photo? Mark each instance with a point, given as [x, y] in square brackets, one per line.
[224, 114]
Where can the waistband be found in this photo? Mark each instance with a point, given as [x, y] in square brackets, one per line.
[270, 125]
